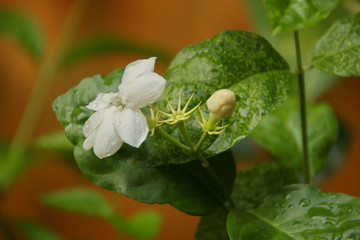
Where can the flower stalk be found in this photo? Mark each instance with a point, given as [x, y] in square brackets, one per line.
[302, 99]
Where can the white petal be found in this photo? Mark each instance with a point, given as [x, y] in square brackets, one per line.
[89, 141]
[142, 91]
[92, 123]
[131, 125]
[137, 68]
[107, 141]
[103, 101]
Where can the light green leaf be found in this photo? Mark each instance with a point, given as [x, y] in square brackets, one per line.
[338, 51]
[145, 224]
[55, 141]
[296, 14]
[35, 231]
[298, 212]
[79, 200]
[317, 82]
[280, 133]
[95, 46]
[23, 29]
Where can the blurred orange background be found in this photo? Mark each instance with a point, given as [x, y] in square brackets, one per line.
[169, 25]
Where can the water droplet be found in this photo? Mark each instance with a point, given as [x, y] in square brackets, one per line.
[304, 202]
[350, 210]
[291, 206]
[283, 205]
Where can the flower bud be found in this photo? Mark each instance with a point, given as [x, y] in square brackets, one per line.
[221, 103]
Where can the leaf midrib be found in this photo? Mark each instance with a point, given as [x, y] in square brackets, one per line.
[269, 223]
[334, 53]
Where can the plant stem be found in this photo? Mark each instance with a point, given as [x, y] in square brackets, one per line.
[185, 134]
[168, 137]
[302, 98]
[202, 139]
[47, 71]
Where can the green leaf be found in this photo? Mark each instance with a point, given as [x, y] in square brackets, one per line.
[338, 50]
[298, 212]
[280, 134]
[145, 224]
[35, 231]
[213, 227]
[55, 141]
[22, 28]
[296, 14]
[252, 185]
[99, 45]
[79, 200]
[317, 82]
[173, 184]
[240, 61]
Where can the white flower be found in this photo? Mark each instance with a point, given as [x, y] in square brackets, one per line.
[118, 117]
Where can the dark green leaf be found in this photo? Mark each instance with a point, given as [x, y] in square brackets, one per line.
[213, 227]
[296, 14]
[79, 200]
[298, 212]
[252, 185]
[35, 231]
[55, 141]
[22, 28]
[173, 184]
[108, 45]
[280, 133]
[338, 51]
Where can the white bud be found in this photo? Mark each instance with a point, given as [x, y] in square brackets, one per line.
[221, 103]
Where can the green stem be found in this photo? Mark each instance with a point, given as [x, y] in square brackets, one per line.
[167, 136]
[36, 102]
[186, 135]
[202, 139]
[302, 98]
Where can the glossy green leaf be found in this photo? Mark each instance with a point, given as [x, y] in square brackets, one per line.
[34, 231]
[95, 46]
[280, 134]
[213, 227]
[338, 50]
[298, 212]
[296, 14]
[23, 29]
[240, 61]
[261, 81]
[79, 200]
[173, 184]
[252, 185]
